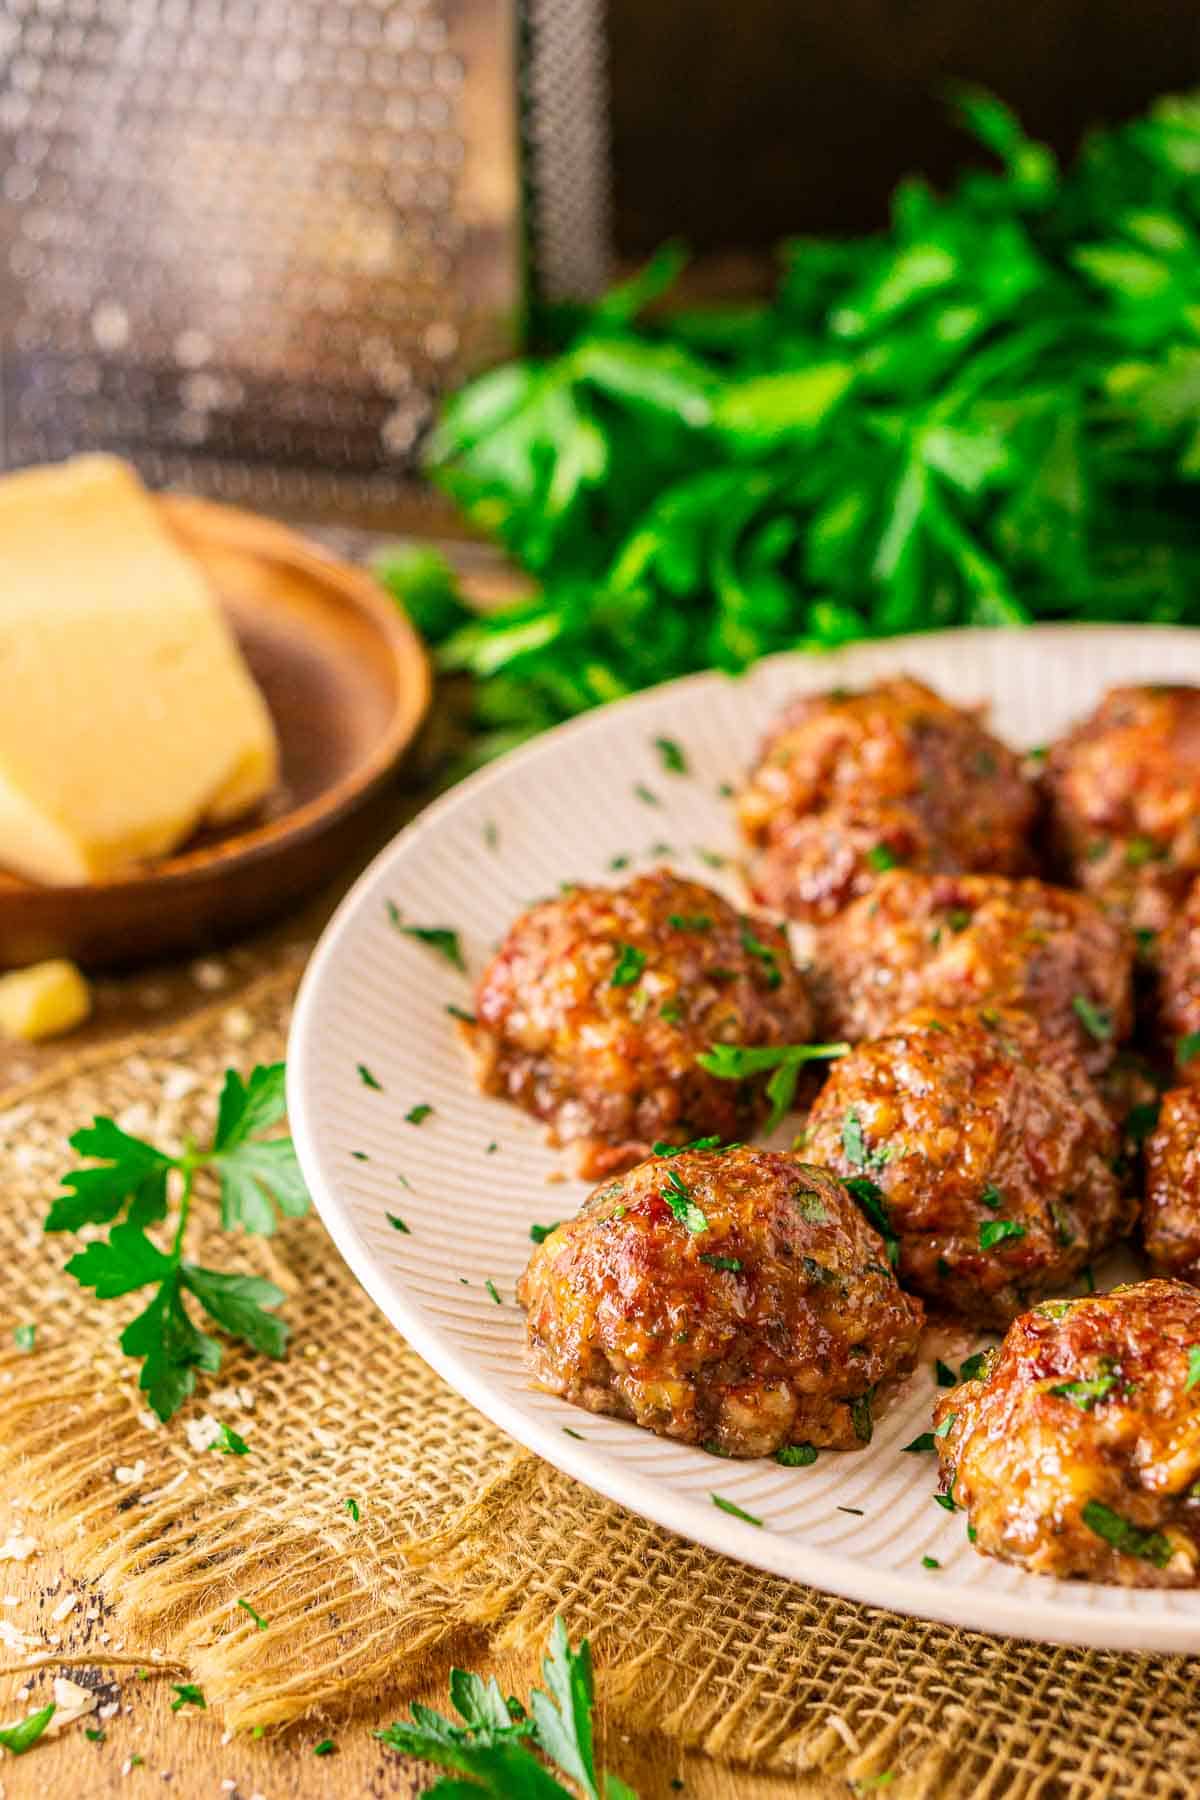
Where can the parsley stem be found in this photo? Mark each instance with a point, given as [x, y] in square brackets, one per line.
[188, 1166]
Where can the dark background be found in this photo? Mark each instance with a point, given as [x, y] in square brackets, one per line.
[737, 122]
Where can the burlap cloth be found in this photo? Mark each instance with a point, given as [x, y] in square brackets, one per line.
[461, 1532]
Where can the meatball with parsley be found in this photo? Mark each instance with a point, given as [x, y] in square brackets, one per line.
[1124, 801]
[989, 1160]
[1171, 1200]
[983, 940]
[850, 784]
[1076, 1453]
[596, 1008]
[734, 1299]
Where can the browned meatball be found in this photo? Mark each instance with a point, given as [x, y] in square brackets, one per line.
[950, 940]
[849, 784]
[1179, 986]
[992, 1161]
[1171, 1204]
[593, 1012]
[1124, 800]
[1077, 1453]
[733, 1299]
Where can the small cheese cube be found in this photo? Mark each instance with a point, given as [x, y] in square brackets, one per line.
[43, 1001]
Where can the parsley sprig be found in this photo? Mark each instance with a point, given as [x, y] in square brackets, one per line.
[130, 1185]
[735, 1062]
[502, 1750]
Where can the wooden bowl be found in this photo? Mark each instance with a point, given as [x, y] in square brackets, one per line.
[347, 682]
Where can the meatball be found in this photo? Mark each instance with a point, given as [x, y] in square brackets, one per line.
[992, 1161]
[593, 1012]
[951, 940]
[1171, 1204]
[734, 1299]
[1179, 986]
[1077, 1452]
[849, 784]
[1124, 801]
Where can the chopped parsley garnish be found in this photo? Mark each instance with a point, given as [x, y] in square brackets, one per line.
[946, 1501]
[671, 756]
[539, 1233]
[810, 1208]
[491, 833]
[629, 965]
[869, 1197]
[416, 1115]
[854, 1144]
[920, 1445]
[460, 1013]
[19, 1738]
[1087, 1391]
[259, 1621]
[24, 1336]
[945, 1377]
[671, 1011]
[735, 1062]
[1193, 1374]
[1088, 1278]
[644, 794]
[1062, 1224]
[728, 1265]
[133, 1178]
[353, 1510]
[998, 1231]
[1096, 1020]
[690, 921]
[974, 1366]
[930, 1562]
[734, 1510]
[1131, 1540]
[368, 1080]
[229, 1443]
[397, 1224]
[881, 858]
[763, 954]
[678, 1196]
[958, 918]
[187, 1694]
[1141, 1119]
[796, 1456]
[493, 1290]
[94, 1734]
[1188, 1047]
[1141, 850]
[575, 1434]
[324, 1748]
[711, 858]
[661, 1148]
[860, 1417]
[622, 861]
[991, 1197]
[360, 1156]
[943, 1430]
[441, 939]
[856, 1510]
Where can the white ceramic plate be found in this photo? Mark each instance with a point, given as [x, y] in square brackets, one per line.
[477, 1171]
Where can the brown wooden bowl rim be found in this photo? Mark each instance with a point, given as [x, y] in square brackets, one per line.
[236, 529]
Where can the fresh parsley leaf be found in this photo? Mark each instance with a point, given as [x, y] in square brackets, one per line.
[946, 1502]
[1141, 1119]
[871, 1201]
[920, 1444]
[259, 1621]
[253, 1171]
[326, 1747]
[729, 1265]
[1187, 1048]
[734, 1510]
[853, 1142]
[24, 1337]
[461, 1014]
[678, 1196]
[628, 967]
[796, 1456]
[133, 1171]
[1087, 1391]
[930, 1562]
[187, 1694]
[1096, 1020]
[397, 1224]
[17, 1739]
[241, 1304]
[999, 1231]
[1152, 1546]
[171, 1347]
[493, 1290]
[763, 954]
[860, 1417]
[230, 1443]
[439, 938]
[991, 1197]
[671, 756]
[945, 1377]
[539, 1233]
[368, 1080]
[416, 1115]
[973, 1367]
[690, 921]
[736, 1062]
[353, 1509]
[881, 858]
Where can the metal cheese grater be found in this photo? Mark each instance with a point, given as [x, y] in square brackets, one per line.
[248, 243]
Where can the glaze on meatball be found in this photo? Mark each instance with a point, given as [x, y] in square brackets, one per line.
[592, 1014]
[1077, 1453]
[1171, 1202]
[734, 1299]
[849, 784]
[950, 940]
[993, 1160]
[1179, 987]
[1124, 802]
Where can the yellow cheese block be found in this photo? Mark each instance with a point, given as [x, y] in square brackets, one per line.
[128, 716]
[43, 1001]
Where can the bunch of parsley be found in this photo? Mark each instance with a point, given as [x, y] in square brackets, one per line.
[130, 1185]
[987, 413]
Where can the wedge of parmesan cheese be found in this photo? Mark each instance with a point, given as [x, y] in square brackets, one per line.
[128, 715]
